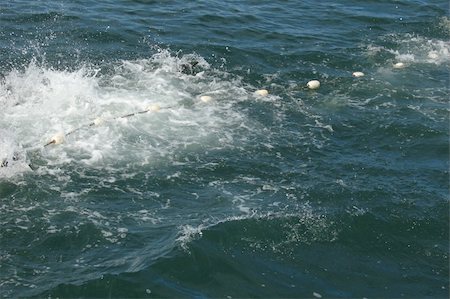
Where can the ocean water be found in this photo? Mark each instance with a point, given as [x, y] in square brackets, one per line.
[339, 192]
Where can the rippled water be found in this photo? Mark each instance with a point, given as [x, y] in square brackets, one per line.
[336, 192]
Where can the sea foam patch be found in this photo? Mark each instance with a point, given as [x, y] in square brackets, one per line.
[106, 120]
[13, 159]
[410, 49]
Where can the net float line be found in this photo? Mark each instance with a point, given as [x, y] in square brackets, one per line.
[60, 137]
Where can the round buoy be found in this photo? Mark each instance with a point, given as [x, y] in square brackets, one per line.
[206, 99]
[153, 108]
[57, 139]
[433, 55]
[262, 92]
[358, 74]
[98, 121]
[399, 65]
[313, 84]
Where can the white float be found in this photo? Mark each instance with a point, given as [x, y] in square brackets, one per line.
[433, 55]
[399, 65]
[262, 92]
[206, 99]
[153, 108]
[57, 139]
[313, 84]
[358, 74]
[98, 121]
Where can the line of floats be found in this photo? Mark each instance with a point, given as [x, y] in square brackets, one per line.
[60, 137]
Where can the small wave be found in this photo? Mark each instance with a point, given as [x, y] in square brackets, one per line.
[304, 226]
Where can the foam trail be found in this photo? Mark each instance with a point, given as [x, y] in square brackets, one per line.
[41, 102]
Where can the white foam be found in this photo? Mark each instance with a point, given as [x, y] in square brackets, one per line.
[414, 49]
[39, 102]
[13, 159]
[445, 24]
[189, 233]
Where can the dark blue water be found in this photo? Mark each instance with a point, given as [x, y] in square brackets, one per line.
[214, 190]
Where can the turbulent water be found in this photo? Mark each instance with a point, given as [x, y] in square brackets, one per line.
[337, 192]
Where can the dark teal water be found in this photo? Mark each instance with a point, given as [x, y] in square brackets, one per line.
[339, 192]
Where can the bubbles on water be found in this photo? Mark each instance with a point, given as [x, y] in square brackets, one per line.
[189, 233]
[302, 224]
[411, 49]
[13, 158]
[40, 101]
[444, 23]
